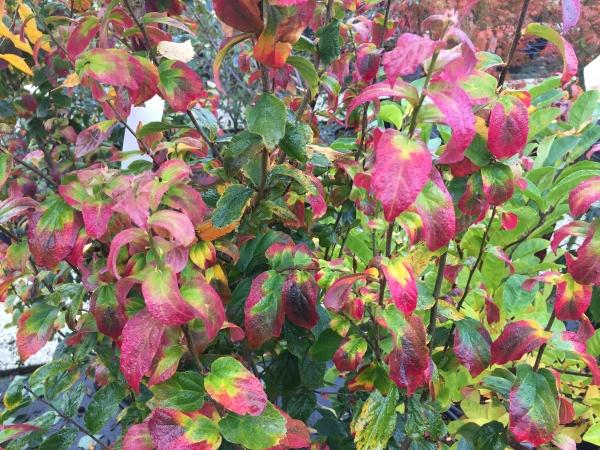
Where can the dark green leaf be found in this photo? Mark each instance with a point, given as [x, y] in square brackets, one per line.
[254, 432]
[231, 205]
[267, 119]
[104, 406]
[184, 391]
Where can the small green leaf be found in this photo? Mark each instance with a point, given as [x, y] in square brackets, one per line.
[268, 119]
[241, 149]
[5, 167]
[184, 391]
[153, 127]
[375, 424]
[297, 136]
[593, 435]
[231, 205]
[59, 441]
[325, 346]
[254, 432]
[307, 72]
[584, 108]
[104, 406]
[14, 393]
[329, 42]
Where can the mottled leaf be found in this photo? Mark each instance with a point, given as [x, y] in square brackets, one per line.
[401, 283]
[375, 424]
[263, 310]
[509, 127]
[518, 338]
[472, 345]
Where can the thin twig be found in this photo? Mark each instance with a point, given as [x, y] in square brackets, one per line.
[30, 167]
[66, 418]
[515, 43]
[190, 346]
[538, 359]
[436, 296]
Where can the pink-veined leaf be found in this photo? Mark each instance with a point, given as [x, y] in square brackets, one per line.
[299, 296]
[52, 232]
[138, 438]
[401, 283]
[34, 329]
[171, 429]
[566, 50]
[410, 52]
[571, 342]
[455, 105]
[140, 342]
[434, 206]
[129, 236]
[472, 345]
[339, 292]
[189, 201]
[401, 170]
[349, 355]
[163, 298]
[509, 127]
[376, 91]
[585, 269]
[584, 196]
[533, 407]
[263, 311]
[176, 224]
[498, 183]
[409, 360]
[473, 202]
[317, 203]
[517, 339]
[235, 388]
[167, 358]
[179, 85]
[575, 228]
[15, 207]
[93, 137]
[82, 35]
[570, 14]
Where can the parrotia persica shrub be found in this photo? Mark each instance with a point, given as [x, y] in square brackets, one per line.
[419, 283]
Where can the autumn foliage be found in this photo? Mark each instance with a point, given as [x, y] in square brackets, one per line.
[427, 278]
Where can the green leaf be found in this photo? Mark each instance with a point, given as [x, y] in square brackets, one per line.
[515, 298]
[390, 112]
[268, 119]
[584, 108]
[297, 136]
[5, 167]
[254, 432]
[104, 406]
[375, 424]
[207, 122]
[540, 119]
[60, 441]
[154, 127]
[325, 346]
[593, 344]
[297, 175]
[329, 42]
[231, 205]
[184, 391]
[593, 434]
[242, 147]
[307, 72]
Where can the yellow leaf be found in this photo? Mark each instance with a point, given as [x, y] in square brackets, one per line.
[15, 39]
[31, 29]
[72, 80]
[17, 62]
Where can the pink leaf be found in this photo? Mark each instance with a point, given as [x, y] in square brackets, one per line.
[376, 91]
[509, 127]
[131, 235]
[401, 170]
[174, 223]
[584, 196]
[410, 52]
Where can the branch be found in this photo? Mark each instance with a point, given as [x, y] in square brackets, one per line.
[515, 42]
[538, 359]
[67, 418]
[35, 170]
[188, 340]
[436, 295]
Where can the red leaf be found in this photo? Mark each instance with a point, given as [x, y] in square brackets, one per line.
[163, 298]
[297, 434]
[348, 357]
[242, 15]
[234, 387]
[401, 282]
[299, 296]
[586, 268]
[141, 339]
[52, 232]
[189, 201]
[138, 438]
[376, 91]
[584, 196]
[173, 430]
[455, 104]
[93, 137]
[498, 183]
[509, 221]
[509, 127]
[410, 52]
[129, 236]
[472, 345]
[516, 339]
[401, 170]
[95, 218]
[112, 66]
[82, 35]
[434, 206]
[176, 224]
[575, 228]
[572, 342]
[34, 329]
[339, 292]
[368, 59]
[110, 317]
[572, 299]
[263, 311]
[179, 85]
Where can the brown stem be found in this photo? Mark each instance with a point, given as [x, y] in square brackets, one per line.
[538, 359]
[471, 274]
[188, 340]
[142, 29]
[515, 43]
[436, 295]
[386, 17]
[66, 418]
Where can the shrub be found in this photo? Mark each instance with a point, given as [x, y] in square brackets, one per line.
[420, 281]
